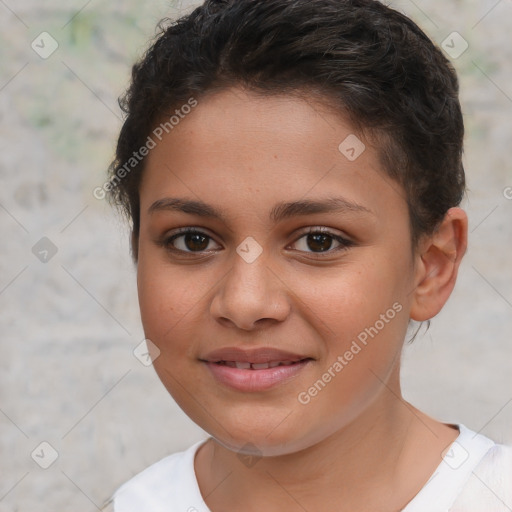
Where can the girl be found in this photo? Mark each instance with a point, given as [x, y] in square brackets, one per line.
[292, 174]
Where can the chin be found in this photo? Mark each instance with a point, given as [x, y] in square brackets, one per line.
[259, 445]
[250, 430]
[264, 434]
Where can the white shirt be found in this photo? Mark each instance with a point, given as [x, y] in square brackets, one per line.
[475, 475]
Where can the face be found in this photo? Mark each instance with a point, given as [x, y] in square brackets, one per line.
[274, 270]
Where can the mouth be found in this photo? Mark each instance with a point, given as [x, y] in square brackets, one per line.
[251, 370]
[253, 357]
[245, 365]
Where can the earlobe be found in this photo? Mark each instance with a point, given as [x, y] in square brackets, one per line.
[438, 259]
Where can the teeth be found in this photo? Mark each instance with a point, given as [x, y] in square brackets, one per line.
[242, 365]
[260, 366]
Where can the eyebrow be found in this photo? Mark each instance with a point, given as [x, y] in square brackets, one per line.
[278, 213]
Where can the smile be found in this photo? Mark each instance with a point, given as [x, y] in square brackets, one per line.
[244, 365]
[247, 377]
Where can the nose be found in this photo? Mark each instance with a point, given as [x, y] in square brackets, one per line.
[250, 296]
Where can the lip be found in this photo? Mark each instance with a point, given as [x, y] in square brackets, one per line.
[250, 379]
[254, 355]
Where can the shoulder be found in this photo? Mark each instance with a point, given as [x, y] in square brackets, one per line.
[475, 475]
[489, 485]
[167, 484]
[497, 460]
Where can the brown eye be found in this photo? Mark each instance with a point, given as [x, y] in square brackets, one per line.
[188, 241]
[195, 242]
[319, 241]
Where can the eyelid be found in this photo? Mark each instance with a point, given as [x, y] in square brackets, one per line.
[188, 229]
[168, 238]
[344, 241]
[324, 230]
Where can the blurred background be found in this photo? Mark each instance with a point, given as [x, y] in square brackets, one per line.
[80, 413]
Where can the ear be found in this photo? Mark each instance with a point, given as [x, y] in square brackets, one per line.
[437, 262]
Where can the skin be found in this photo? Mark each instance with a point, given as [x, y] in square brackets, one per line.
[357, 445]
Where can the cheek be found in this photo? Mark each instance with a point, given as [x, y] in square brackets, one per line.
[346, 301]
[167, 299]
[362, 355]
[363, 314]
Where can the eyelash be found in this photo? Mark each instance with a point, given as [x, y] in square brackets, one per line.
[344, 243]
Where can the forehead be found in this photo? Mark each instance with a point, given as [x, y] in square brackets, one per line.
[246, 148]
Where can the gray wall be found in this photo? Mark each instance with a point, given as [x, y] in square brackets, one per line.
[69, 325]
